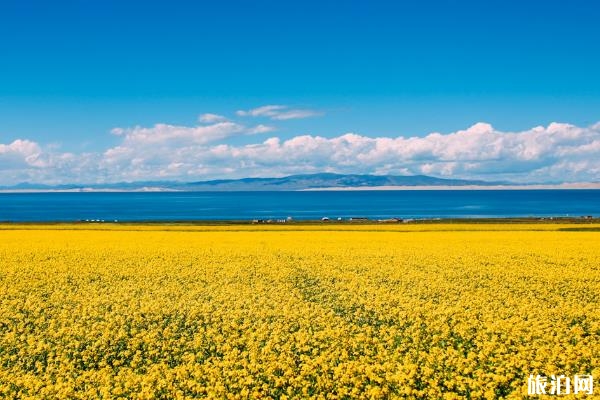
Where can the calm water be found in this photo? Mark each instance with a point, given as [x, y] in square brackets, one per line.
[299, 205]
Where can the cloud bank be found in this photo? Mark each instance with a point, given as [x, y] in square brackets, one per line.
[558, 152]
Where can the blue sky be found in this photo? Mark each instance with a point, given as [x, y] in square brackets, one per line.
[73, 71]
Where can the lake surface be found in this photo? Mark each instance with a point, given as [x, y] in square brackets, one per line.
[187, 206]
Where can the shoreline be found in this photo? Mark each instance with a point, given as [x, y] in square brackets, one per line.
[562, 186]
[312, 222]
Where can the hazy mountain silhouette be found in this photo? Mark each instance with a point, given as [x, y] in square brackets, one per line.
[292, 182]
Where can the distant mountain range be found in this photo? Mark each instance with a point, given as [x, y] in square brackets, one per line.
[327, 180]
[293, 182]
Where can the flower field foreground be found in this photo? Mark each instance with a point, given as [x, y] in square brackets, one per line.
[444, 311]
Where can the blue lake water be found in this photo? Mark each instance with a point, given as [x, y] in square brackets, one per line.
[187, 206]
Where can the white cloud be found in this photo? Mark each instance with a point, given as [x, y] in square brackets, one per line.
[558, 152]
[278, 112]
[211, 118]
[264, 111]
[19, 153]
[164, 133]
[261, 129]
[174, 135]
[21, 147]
[25, 160]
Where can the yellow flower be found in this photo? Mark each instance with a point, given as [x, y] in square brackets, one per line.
[243, 312]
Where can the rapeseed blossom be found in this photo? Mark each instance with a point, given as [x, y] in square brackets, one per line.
[372, 312]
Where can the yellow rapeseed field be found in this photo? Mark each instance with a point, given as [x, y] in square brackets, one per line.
[406, 311]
